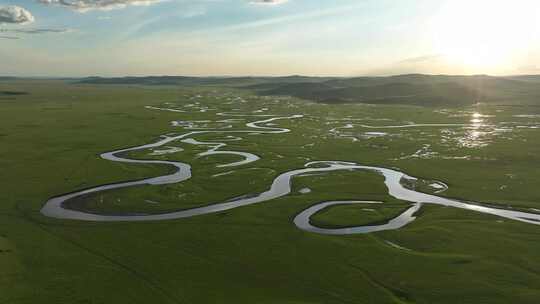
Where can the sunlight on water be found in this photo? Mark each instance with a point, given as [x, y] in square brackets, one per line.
[476, 135]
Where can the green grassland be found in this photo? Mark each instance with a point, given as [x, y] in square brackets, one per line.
[51, 135]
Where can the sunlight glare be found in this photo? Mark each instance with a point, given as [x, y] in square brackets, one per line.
[485, 35]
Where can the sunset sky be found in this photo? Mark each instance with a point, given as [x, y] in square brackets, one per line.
[265, 37]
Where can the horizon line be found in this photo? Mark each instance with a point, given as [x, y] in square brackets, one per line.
[260, 76]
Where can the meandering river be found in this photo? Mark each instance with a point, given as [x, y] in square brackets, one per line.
[281, 186]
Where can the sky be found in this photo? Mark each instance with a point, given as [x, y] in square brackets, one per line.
[75, 38]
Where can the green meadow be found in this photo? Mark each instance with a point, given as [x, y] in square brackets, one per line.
[53, 131]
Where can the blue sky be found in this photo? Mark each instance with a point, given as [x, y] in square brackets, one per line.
[242, 37]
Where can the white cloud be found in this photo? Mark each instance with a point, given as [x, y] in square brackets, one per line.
[13, 14]
[268, 2]
[36, 31]
[88, 5]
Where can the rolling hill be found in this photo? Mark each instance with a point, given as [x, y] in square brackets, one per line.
[414, 89]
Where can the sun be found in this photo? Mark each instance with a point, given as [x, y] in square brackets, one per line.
[485, 36]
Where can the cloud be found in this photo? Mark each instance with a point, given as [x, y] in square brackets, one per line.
[13, 14]
[434, 63]
[88, 5]
[422, 59]
[36, 31]
[268, 2]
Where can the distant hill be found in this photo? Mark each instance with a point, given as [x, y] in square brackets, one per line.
[5, 78]
[189, 81]
[399, 92]
[414, 89]
[530, 78]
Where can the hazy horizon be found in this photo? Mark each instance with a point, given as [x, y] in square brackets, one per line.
[255, 76]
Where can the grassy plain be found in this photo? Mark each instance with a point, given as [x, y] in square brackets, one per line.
[51, 138]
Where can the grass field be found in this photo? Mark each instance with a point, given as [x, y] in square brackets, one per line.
[52, 132]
